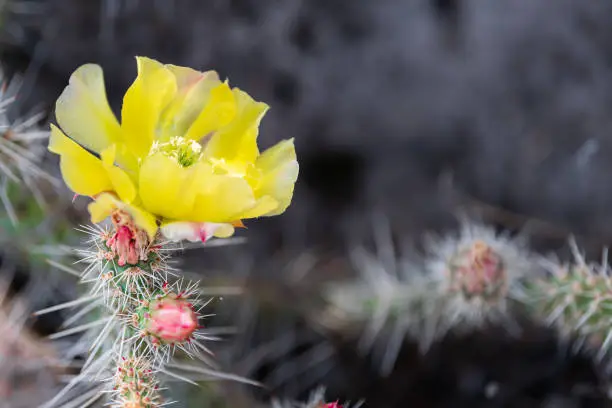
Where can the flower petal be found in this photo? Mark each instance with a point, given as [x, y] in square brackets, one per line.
[142, 218]
[106, 203]
[238, 140]
[122, 183]
[221, 198]
[263, 206]
[82, 110]
[279, 170]
[143, 103]
[193, 93]
[218, 112]
[102, 207]
[83, 172]
[194, 231]
[168, 189]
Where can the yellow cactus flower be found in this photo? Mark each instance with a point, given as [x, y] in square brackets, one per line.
[183, 158]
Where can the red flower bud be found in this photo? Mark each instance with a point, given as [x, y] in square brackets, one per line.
[171, 320]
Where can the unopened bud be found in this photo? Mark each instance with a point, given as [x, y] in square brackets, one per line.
[478, 271]
[170, 319]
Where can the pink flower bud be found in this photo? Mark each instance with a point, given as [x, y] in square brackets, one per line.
[122, 243]
[128, 243]
[171, 319]
[479, 271]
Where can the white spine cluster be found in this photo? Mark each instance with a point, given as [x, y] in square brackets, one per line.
[576, 299]
[477, 274]
[464, 281]
[21, 149]
[135, 316]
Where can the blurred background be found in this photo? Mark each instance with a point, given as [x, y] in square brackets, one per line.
[413, 112]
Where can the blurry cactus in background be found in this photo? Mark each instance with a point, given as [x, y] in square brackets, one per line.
[135, 384]
[464, 281]
[22, 137]
[29, 372]
[478, 276]
[388, 298]
[575, 299]
[30, 366]
[182, 163]
[21, 150]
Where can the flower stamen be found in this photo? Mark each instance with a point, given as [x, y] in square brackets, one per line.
[186, 152]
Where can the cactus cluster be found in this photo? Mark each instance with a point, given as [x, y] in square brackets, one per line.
[134, 384]
[462, 282]
[21, 149]
[468, 281]
[150, 189]
[145, 311]
[477, 276]
[29, 370]
[138, 312]
[575, 297]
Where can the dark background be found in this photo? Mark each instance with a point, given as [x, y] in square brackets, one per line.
[418, 110]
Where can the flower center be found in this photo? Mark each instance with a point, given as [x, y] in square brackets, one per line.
[186, 152]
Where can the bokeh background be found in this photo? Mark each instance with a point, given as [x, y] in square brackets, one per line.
[413, 112]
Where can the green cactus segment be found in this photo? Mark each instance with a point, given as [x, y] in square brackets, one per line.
[135, 384]
[137, 281]
[154, 318]
[148, 265]
[577, 300]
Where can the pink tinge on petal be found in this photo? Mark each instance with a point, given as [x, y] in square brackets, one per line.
[201, 233]
[190, 231]
[332, 405]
